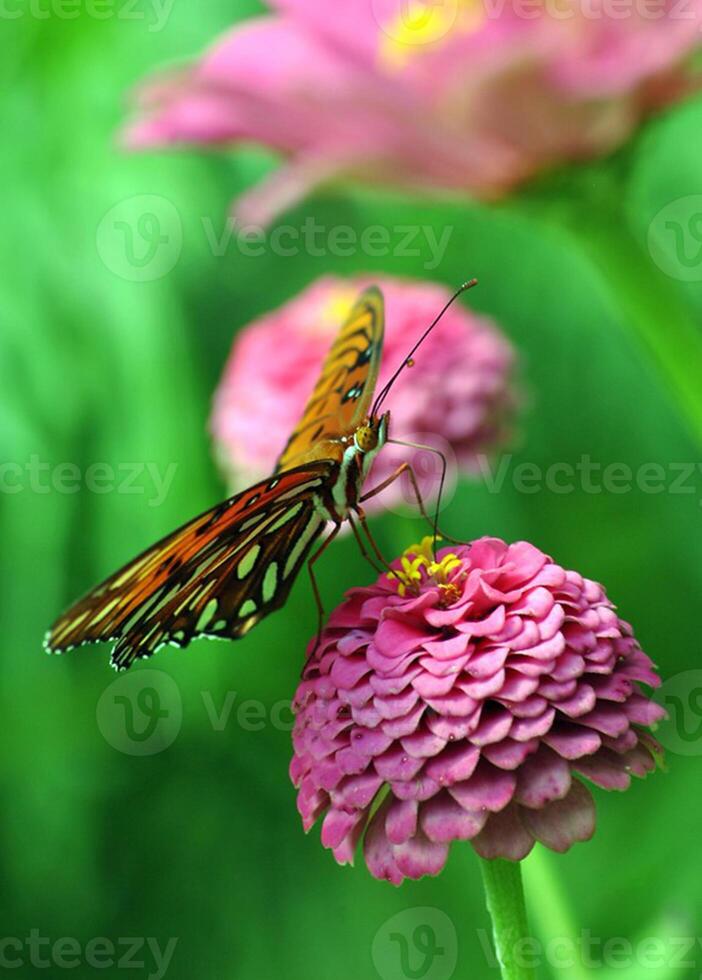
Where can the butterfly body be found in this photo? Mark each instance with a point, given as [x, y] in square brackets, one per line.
[359, 451]
[222, 572]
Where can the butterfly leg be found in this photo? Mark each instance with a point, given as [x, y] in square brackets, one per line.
[407, 468]
[361, 515]
[359, 540]
[315, 587]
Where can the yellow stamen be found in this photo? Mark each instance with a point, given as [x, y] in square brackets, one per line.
[421, 23]
[450, 593]
[418, 562]
[440, 570]
[425, 548]
[410, 574]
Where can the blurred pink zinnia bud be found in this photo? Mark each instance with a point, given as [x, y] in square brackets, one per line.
[457, 397]
[473, 97]
[463, 699]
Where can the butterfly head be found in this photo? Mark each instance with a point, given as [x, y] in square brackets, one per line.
[370, 437]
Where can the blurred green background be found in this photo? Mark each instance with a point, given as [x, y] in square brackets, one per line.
[201, 841]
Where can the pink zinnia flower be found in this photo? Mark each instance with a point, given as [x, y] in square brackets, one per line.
[457, 95]
[458, 396]
[465, 699]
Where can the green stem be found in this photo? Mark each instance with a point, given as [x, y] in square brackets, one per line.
[553, 914]
[505, 901]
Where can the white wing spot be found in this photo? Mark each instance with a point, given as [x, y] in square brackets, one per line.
[247, 608]
[270, 581]
[248, 561]
[206, 615]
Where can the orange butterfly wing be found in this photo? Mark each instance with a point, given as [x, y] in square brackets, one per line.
[343, 394]
[218, 575]
[225, 570]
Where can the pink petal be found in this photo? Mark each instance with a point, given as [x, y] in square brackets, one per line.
[455, 704]
[607, 719]
[396, 637]
[563, 822]
[573, 742]
[397, 765]
[356, 792]
[396, 706]
[495, 724]
[428, 686]
[509, 754]
[449, 648]
[543, 777]
[420, 856]
[401, 820]
[453, 764]
[504, 836]
[480, 690]
[422, 744]
[443, 820]
[453, 729]
[525, 729]
[487, 789]
[337, 825]
[605, 770]
[345, 851]
[578, 704]
[642, 711]
[378, 851]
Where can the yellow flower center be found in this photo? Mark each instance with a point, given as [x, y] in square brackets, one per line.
[335, 308]
[419, 565]
[420, 23]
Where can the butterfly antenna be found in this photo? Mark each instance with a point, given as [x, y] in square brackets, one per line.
[407, 362]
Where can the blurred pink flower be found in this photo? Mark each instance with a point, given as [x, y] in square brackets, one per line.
[463, 700]
[464, 95]
[458, 396]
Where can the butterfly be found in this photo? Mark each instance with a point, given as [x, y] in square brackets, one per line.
[225, 570]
